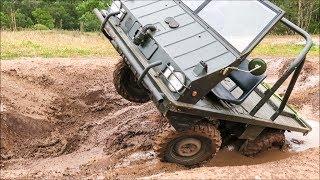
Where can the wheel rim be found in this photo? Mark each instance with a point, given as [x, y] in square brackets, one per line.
[188, 147]
[205, 141]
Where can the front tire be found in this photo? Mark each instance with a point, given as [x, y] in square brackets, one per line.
[126, 84]
[189, 148]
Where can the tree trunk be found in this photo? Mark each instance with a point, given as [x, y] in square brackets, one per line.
[81, 26]
[13, 21]
[61, 23]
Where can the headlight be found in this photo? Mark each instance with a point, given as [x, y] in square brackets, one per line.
[176, 80]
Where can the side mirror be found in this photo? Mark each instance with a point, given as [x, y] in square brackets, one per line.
[257, 67]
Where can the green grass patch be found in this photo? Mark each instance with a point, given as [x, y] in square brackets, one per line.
[67, 44]
[12, 51]
[50, 44]
[283, 50]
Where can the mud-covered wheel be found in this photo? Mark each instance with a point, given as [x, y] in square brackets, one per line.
[126, 84]
[190, 147]
[267, 139]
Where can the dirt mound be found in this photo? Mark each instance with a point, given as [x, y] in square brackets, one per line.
[301, 163]
[305, 96]
[63, 117]
[54, 98]
[18, 133]
[73, 107]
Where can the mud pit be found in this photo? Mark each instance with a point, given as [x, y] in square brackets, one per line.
[62, 118]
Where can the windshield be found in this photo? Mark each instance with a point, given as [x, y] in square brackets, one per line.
[193, 5]
[239, 22]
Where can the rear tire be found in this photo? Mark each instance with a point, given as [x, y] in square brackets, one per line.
[126, 84]
[188, 148]
[267, 139]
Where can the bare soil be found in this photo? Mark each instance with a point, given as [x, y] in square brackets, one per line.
[62, 118]
[305, 96]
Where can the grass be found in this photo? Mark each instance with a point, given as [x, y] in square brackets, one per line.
[51, 44]
[284, 50]
[68, 44]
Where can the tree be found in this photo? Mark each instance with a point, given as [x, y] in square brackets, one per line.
[43, 17]
[87, 18]
[26, 6]
[90, 22]
[5, 21]
[63, 12]
[304, 13]
[22, 20]
[70, 14]
[89, 5]
[59, 14]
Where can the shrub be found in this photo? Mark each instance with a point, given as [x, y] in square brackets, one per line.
[43, 17]
[40, 27]
[23, 20]
[4, 21]
[90, 22]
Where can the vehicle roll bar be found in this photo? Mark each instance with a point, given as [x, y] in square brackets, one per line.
[146, 70]
[296, 67]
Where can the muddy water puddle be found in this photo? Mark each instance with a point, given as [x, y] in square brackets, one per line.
[299, 142]
[235, 158]
[230, 157]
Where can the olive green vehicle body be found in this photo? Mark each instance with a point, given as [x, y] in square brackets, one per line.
[184, 45]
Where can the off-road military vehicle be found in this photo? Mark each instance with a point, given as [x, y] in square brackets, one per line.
[191, 58]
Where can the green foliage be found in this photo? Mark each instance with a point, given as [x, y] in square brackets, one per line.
[40, 27]
[42, 16]
[23, 21]
[71, 15]
[88, 19]
[59, 14]
[90, 22]
[89, 5]
[5, 21]
[304, 13]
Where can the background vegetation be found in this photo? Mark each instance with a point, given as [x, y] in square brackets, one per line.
[77, 14]
[50, 14]
[70, 44]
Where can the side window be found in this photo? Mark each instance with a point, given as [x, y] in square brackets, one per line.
[193, 4]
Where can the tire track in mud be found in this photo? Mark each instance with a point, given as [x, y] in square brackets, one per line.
[33, 96]
[81, 110]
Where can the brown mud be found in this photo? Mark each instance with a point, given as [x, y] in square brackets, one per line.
[63, 118]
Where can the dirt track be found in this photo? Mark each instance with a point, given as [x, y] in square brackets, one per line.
[62, 118]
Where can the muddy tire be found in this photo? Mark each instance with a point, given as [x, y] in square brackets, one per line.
[188, 148]
[126, 85]
[267, 139]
